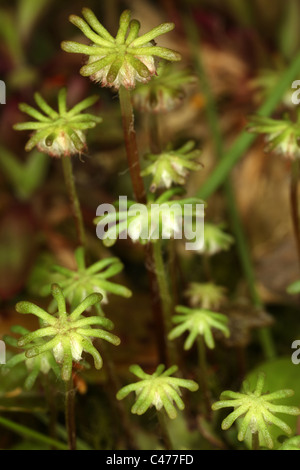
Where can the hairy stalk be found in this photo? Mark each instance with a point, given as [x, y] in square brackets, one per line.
[140, 196]
[131, 145]
[203, 379]
[164, 431]
[70, 414]
[255, 441]
[294, 201]
[70, 184]
[165, 297]
[243, 250]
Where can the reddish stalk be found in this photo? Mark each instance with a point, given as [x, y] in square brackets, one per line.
[140, 196]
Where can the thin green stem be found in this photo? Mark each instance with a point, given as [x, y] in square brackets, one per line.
[241, 242]
[71, 188]
[70, 414]
[294, 202]
[31, 434]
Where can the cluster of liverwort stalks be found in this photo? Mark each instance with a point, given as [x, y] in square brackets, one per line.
[75, 318]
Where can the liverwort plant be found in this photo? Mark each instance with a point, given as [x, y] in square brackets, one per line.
[205, 294]
[199, 323]
[85, 280]
[142, 73]
[264, 83]
[61, 133]
[165, 92]
[172, 166]
[123, 60]
[282, 137]
[58, 133]
[215, 239]
[160, 219]
[67, 336]
[159, 390]
[257, 412]
[120, 62]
